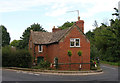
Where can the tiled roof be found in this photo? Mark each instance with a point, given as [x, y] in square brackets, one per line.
[47, 37]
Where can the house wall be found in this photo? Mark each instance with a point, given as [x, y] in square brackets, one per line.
[43, 53]
[52, 52]
[64, 46]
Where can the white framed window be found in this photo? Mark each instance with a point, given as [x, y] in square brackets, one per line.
[75, 42]
[40, 48]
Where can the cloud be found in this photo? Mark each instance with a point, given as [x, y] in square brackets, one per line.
[55, 6]
[18, 5]
[99, 7]
[87, 8]
[57, 12]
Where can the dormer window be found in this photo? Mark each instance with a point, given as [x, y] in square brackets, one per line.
[74, 42]
[40, 48]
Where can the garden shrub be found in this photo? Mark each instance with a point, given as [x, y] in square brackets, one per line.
[44, 64]
[18, 58]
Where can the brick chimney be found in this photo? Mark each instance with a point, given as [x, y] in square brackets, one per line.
[80, 24]
[55, 29]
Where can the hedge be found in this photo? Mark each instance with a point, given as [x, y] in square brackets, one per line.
[16, 58]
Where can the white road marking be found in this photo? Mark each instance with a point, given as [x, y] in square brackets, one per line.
[109, 67]
[28, 73]
[36, 74]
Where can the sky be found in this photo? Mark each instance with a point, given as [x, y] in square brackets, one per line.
[17, 15]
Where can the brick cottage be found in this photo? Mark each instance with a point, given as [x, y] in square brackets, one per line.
[48, 45]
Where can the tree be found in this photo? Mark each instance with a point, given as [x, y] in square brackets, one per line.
[69, 54]
[25, 37]
[15, 43]
[5, 36]
[66, 25]
[79, 53]
[116, 12]
[95, 24]
[90, 35]
[104, 24]
[105, 41]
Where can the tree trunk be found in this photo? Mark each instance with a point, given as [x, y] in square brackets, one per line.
[70, 64]
[82, 61]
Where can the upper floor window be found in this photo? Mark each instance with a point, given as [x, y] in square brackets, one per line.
[74, 42]
[40, 48]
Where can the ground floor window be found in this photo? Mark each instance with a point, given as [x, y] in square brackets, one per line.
[39, 59]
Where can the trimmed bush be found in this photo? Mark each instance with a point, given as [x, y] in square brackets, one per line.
[80, 53]
[69, 53]
[16, 58]
[44, 64]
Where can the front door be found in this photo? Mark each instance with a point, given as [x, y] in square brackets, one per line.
[39, 59]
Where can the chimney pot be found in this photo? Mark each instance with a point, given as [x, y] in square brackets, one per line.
[53, 26]
[78, 18]
[31, 30]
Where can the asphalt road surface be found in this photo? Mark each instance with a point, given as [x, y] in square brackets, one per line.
[110, 73]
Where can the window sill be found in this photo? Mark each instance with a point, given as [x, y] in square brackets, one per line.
[40, 51]
[75, 46]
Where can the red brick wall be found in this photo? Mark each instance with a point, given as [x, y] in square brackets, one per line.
[52, 52]
[80, 24]
[65, 46]
[43, 53]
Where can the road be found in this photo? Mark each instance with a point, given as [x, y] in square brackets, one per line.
[110, 73]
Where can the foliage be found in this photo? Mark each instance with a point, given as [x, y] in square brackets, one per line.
[92, 65]
[44, 64]
[69, 53]
[26, 34]
[5, 36]
[80, 53]
[116, 12]
[15, 43]
[95, 24]
[105, 42]
[18, 58]
[66, 25]
[94, 52]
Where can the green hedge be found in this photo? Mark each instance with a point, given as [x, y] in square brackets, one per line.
[16, 58]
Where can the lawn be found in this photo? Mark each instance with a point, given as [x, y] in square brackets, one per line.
[111, 63]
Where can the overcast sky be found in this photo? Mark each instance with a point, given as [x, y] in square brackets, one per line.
[17, 15]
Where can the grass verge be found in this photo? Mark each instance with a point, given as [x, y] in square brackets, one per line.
[111, 63]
